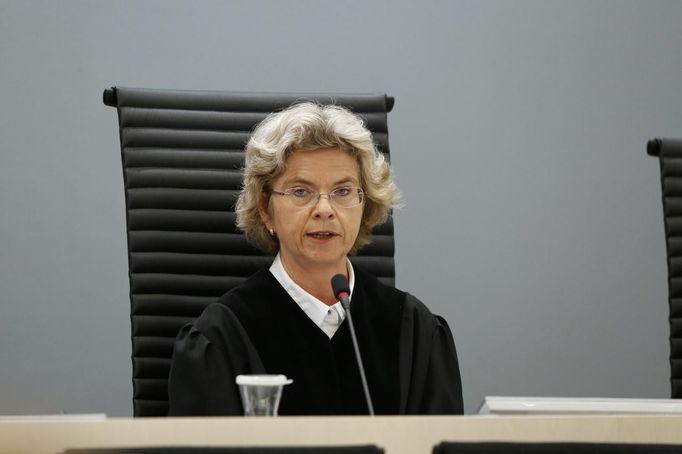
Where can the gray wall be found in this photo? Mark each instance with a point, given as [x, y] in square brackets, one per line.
[532, 216]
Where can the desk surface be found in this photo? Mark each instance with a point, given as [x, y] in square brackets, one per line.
[396, 434]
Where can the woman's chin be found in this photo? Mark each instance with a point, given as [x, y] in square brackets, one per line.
[324, 260]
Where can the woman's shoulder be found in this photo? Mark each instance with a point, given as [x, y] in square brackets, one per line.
[257, 290]
[382, 296]
[381, 292]
[225, 320]
[230, 308]
[370, 282]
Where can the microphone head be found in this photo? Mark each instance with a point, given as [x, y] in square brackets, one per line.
[340, 285]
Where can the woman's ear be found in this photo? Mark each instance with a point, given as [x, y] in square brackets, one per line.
[264, 210]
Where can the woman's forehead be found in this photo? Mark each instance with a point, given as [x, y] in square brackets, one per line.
[326, 165]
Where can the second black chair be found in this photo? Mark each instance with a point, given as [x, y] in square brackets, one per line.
[669, 153]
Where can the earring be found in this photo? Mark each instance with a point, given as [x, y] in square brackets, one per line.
[272, 232]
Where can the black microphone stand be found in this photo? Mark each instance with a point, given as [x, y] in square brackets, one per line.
[341, 291]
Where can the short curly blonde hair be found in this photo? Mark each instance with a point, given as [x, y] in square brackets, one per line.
[310, 126]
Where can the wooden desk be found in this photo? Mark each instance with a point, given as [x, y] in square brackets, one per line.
[396, 434]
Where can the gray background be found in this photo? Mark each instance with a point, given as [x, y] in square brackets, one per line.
[532, 215]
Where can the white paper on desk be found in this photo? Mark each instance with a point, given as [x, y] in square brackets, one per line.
[58, 417]
[498, 405]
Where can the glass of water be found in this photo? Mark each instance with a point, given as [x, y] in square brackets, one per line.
[261, 393]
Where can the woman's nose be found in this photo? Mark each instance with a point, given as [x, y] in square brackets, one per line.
[323, 206]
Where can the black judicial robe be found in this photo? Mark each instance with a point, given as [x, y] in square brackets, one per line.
[408, 353]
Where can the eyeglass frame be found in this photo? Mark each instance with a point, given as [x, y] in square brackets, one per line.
[315, 200]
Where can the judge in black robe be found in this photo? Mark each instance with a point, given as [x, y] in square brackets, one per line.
[408, 353]
[314, 187]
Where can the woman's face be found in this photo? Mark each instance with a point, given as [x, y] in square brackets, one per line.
[317, 237]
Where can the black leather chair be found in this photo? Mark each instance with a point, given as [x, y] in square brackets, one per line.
[553, 448]
[669, 153]
[182, 155]
[363, 449]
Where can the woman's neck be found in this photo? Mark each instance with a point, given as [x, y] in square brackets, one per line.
[317, 282]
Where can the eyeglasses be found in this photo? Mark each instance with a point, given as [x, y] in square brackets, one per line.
[339, 197]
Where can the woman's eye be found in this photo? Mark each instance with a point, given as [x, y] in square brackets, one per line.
[342, 192]
[299, 192]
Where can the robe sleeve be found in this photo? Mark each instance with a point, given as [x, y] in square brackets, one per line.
[207, 356]
[430, 381]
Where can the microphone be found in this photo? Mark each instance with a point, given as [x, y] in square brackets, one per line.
[342, 292]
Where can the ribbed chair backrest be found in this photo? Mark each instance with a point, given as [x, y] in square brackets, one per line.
[669, 153]
[183, 154]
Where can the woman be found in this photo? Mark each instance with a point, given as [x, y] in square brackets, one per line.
[314, 187]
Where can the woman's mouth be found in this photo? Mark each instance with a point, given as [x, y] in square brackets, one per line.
[322, 235]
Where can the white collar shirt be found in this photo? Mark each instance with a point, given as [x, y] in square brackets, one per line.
[327, 318]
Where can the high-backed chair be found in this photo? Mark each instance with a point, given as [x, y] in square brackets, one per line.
[182, 154]
[669, 153]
